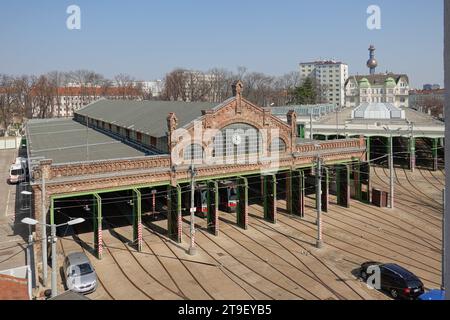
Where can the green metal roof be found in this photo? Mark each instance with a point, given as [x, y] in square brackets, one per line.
[304, 110]
[148, 117]
[66, 141]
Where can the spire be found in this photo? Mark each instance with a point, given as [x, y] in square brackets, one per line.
[372, 63]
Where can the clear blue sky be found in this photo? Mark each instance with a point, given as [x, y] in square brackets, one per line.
[148, 38]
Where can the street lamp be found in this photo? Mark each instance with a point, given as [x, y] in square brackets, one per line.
[391, 162]
[192, 248]
[319, 242]
[53, 227]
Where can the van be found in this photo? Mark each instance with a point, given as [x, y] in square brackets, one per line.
[17, 171]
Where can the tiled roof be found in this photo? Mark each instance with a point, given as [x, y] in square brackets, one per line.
[378, 79]
[12, 288]
[147, 117]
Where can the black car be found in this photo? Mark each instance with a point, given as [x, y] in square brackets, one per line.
[396, 280]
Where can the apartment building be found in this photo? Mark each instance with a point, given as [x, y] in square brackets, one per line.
[330, 76]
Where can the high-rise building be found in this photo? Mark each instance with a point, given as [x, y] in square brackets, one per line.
[330, 76]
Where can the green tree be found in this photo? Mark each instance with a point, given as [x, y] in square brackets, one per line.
[306, 93]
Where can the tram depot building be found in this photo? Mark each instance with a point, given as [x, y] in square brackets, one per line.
[124, 158]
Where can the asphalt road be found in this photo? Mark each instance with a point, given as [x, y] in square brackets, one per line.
[12, 233]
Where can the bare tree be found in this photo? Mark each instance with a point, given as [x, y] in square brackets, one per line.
[125, 86]
[42, 97]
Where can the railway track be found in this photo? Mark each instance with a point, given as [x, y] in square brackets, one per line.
[348, 226]
[363, 254]
[122, 241]
[388, 220]
[211, 239]
[124, 273]
[364, 250]
[314, 276]
[186, 268]
[98, 277]
[437, 179]
[419, 189]
[337, 295]
[413, 200]
[229, 270]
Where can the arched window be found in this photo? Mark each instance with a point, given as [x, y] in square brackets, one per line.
[193, 152]
[236, 141]
[278, 145]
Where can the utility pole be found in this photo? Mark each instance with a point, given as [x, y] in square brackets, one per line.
[444, 256]
[87, 138]
[44, 233]
[391, 163]
[412, 147]
[54, 264]
[391, 167]
[192, 248]
[337, 123]
[53, 227]
[319, 243]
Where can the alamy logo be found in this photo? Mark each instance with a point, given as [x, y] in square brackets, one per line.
[374, 277]
[374, 20]
[73, 22]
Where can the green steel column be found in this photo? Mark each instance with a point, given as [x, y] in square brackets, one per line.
[137, 218]
[270, 198]
[174, 221]
[213, 207]
[52, 211]
[343, 185]
[289, 192]
[97, 217]
[368, 149]
[357, 179]
[242, 208]
[298, 193]
[365, 181]
[325, 189]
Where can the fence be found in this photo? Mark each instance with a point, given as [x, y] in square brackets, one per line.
[10, 142]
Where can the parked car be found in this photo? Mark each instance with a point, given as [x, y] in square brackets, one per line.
[17, 171]
[399, 282]
[433, 295]
[79, 273]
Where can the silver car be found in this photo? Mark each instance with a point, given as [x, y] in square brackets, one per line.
[79, 273]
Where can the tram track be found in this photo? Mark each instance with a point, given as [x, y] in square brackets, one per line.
[229, 270]
[314, 276]
[364, 230]
[183, 263]
[122, 240]
[353, 252]
[408, 198]
[133, 283]
[98, 277]
[367, 220]
[211, 239]
[418, 189]
[408, 204]
[437, 179]
[429, 180]
[363, 249]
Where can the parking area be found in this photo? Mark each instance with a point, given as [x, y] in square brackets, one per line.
[275, 261]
